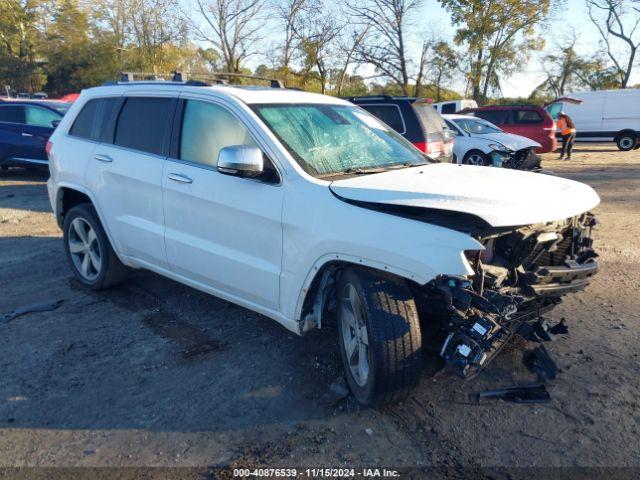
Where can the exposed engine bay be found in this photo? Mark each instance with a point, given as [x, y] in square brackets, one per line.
[522, 274]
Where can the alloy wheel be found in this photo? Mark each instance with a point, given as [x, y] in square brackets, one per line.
[355, 336]
[85, 249]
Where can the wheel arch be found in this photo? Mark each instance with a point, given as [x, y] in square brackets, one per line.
[626, 131]
[323, 277]
[79, 194]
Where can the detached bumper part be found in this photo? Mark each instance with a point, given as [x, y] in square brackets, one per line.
[554, 281]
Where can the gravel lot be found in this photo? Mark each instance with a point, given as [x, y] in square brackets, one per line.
[115, 378]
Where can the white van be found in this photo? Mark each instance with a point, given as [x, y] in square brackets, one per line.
[603, 116]
[453, 106]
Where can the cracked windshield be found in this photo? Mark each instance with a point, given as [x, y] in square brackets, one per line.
[333, 140]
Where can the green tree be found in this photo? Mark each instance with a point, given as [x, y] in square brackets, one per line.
[499, 36]
[20, 66]
[74, 59]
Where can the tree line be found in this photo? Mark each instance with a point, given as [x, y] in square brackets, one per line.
[344, 48]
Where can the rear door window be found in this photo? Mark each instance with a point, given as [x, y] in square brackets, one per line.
[145, 124]
[389, 114]
[497, 117]
[94, 120]
[526, 117]
[12, 113]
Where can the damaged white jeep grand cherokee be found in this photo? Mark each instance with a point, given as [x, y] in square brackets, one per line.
[307, 209]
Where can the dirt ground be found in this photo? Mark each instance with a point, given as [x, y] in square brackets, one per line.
[116, 378]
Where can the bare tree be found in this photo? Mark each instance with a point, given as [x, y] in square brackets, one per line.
[156, 24]
[317, 34]
[232, 27]
[385, 45]
[616, 20]
[289, 13]
[347, 47]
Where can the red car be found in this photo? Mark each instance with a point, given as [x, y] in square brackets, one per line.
[526, 120]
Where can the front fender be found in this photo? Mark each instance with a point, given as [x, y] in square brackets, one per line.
[320, 228]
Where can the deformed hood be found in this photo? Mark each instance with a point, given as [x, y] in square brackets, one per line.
[510, 140]
[501, 197]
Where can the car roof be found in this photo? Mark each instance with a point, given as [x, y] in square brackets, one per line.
[249, 95]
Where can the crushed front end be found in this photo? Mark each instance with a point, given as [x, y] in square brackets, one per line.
[521, 274]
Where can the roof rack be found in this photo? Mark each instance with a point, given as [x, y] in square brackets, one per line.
[219, 78]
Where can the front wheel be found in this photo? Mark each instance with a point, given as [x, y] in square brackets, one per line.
[627, 141]
[478, 158]
[379, 334]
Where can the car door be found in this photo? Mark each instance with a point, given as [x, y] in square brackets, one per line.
[221, 231]
[11, 126]
[125, 175]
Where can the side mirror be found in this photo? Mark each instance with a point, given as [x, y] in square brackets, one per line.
[55, 123]
[241, 160]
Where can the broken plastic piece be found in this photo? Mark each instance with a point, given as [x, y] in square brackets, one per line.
[539, 362]
[536, 393]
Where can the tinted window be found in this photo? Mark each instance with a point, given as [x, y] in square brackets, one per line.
[94, 119]
[207, 129]
[12, 114]
[145, 123]
[453, 128]
[449, 108]
[41, 117]
[527, 116]
[497, 117]
[389, 114]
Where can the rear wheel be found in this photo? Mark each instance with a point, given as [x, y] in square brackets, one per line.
[379, 334]
[627, 141]
[478, 158]
[92, 259]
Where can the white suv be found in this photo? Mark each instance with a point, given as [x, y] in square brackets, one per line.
[309, 210]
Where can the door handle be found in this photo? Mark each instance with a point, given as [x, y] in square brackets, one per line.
[178, 177]
[103, 158]
[24, 134]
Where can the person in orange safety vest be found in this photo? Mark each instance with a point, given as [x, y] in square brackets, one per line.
[567, 129]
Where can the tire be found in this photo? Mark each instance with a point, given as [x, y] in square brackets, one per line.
[93, 261]
[478, 158]
[388, 336]
[627, 141]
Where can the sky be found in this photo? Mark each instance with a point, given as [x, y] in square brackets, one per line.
[571, 16]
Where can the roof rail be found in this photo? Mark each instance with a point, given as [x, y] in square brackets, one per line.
[219, 78]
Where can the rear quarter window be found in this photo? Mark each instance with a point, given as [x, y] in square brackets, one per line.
[94, 120]
[389, 114]
[431, 120]
[145, 124]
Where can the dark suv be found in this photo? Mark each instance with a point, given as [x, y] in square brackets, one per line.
[25, 127]
[526, 120]
[415, 119]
